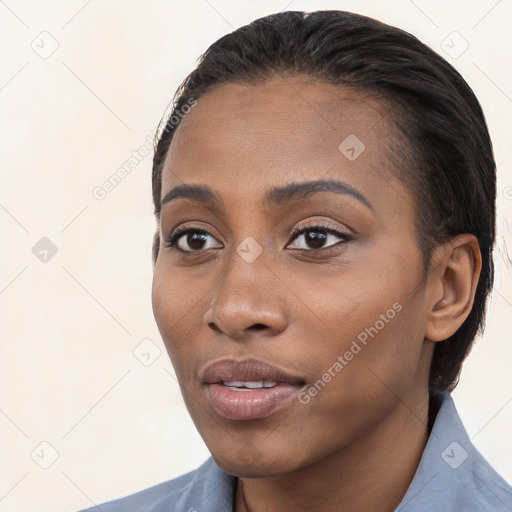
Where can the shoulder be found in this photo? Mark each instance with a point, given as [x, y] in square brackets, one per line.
[452, 474]
[207, 486]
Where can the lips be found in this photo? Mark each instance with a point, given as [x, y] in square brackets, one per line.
[248, 390]
[249, 370]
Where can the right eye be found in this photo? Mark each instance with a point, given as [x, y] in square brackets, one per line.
[189, 240]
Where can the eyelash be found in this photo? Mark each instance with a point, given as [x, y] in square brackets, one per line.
[327, 228]
[172, 239]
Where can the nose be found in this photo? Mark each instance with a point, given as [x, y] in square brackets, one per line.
[247, 302]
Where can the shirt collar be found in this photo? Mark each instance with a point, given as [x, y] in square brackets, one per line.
[446, 467]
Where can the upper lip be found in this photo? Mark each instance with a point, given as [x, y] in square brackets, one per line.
[247, 370]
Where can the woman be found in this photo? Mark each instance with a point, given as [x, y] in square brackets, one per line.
[324, 189]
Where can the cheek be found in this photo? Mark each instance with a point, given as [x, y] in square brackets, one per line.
[370, 366]
[177, 311]
[370, 336]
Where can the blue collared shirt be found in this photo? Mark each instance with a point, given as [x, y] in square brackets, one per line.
[452, 477]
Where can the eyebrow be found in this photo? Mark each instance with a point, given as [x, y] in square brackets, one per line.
[274, 196]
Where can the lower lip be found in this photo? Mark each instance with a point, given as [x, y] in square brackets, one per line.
[249, 404]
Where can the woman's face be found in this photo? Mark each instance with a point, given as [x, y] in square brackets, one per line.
[338, 309]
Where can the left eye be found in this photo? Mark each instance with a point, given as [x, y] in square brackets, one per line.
[315, 237]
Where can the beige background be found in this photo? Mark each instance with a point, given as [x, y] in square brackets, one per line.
[69, 375]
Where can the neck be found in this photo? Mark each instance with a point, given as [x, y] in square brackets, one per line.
[373, 473]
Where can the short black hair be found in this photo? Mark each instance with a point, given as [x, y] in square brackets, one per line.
[445, 150]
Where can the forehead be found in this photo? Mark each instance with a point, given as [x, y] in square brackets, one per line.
[281, 130]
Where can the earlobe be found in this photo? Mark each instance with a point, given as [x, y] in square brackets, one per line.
[453, 280]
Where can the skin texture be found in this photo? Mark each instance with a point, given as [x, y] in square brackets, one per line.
[356, 444]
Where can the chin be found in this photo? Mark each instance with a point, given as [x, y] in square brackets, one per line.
[256, 465]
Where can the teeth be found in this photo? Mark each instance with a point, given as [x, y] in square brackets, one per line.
[254, 384]
[250, 384]
[234, 383]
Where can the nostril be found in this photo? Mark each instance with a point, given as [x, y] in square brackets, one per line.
[256, 327]
[213, 326]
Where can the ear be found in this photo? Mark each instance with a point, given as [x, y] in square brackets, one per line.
[453, 277]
